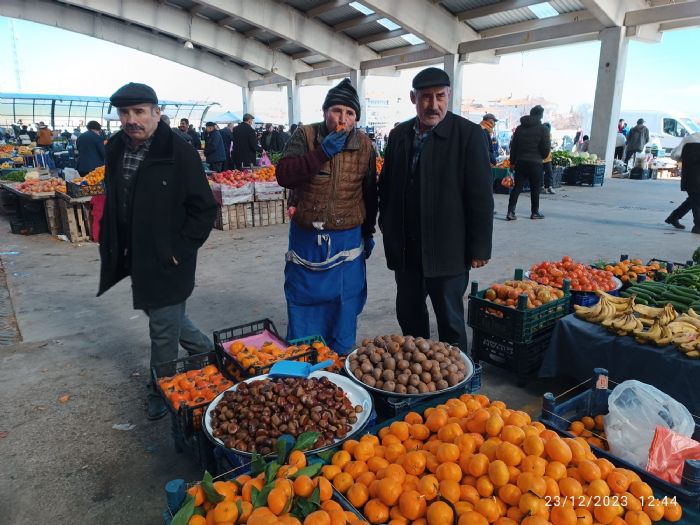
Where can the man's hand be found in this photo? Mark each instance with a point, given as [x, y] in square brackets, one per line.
[333, 143]
[175, 261]
[369, 246]
[478, 263]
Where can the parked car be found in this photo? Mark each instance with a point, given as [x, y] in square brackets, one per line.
[666, 129]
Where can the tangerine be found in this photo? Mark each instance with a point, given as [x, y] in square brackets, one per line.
[440, 513]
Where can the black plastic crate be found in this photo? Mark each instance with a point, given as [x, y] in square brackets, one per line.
[28, 226]
[237, 372]
[570, 175]
[640, 174]
[187, 418]
[520, 324]
[196, 445]
[591, 174]
[522, 358]
[84, 190]
[557, 175]
[558, 414]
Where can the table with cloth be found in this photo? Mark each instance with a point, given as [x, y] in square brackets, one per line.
[577, 347]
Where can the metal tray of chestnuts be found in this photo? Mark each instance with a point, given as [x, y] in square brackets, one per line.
[277, 421]
[384, 357]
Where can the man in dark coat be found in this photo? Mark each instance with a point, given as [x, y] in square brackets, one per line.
[637, 138]
[435, 210]
[91, 148]
[530, 145]
[158, 211]
[688, 152]
[245, 143]
[270, 139]
[284, 136]
[227, 137]
[214, 148]
[188, 128]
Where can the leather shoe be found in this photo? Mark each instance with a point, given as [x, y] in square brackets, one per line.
[156, 407]
[511, 216]
[674, 222]
[537, 215]
[550, 191]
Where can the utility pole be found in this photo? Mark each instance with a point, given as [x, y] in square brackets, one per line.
[18, 76]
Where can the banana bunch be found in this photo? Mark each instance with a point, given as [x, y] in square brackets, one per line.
[625, 323]
[686, 334]
[606, 310]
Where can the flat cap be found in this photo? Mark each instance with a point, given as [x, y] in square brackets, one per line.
[210, 124]
[431, 77]
[132, 94]
[490, 116]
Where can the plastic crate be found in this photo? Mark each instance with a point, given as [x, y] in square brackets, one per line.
[189, 418]
[558, 414]
[524, 359]
[28, 226]
[520, 324]
[557, 175]
[640, 174]
[591, 174]
[79, 190]
[195, 445]
[393, 407]
[588, 298]
[571, 175]
[232, 368]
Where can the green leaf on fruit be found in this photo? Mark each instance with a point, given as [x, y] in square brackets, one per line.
[209, 491]
[311, 471]
[185, 513]
[306, 440]
[271, 471]
[257, 464]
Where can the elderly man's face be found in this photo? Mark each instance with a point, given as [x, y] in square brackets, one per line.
[339, 114]
[139, 122]
[431, 104]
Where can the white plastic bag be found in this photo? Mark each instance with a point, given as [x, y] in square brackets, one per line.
[634, 411]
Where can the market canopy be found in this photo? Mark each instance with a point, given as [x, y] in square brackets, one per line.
[229, 116]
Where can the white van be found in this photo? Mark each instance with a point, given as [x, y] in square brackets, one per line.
[666, 129]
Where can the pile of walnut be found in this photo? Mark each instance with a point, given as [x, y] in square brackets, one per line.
[253, 416]
[407, 365]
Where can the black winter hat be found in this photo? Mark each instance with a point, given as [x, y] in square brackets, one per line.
[343, 94]
[430, 77]
[132, 94]
[537, 111]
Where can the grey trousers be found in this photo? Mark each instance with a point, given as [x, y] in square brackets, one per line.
[170, 327]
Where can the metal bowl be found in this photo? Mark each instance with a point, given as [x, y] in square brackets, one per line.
[357, 396]
[468, 373]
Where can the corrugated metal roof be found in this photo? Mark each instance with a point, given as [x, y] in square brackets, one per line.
[457, 6]
[315, 59]
[567, 6]
[304, 5]
[391, 43]
[292, 48]
[501, 19]
[341, 14]
[358, 32]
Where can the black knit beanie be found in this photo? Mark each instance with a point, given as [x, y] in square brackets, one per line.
[537, 111]
[343, 94]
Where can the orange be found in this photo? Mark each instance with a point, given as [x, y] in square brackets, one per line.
[225, 511]
[605, 467]
[472, 518]
[331, 505]
[246, 510]
[510, 494]
[349, 445]
[450, 432]
[534, 464]
[355, 468]
[632, 502]
[570, 487]
[563, 515]
[395, 472]
[478, 465]
[641, 490]
[513, 434]
[358, 495]
[509, 453]
[555, 470]
[394, 451]
[412, 504]
[325, 489]
[287, 519]
[488, 508]
[618, 482]
[297, 459]
[277, 501]
[533, 445]
[588, 422]
[419, 431]
[366, 478]
[413, 418]
[341, 457]
[287, 485]
[494, 425]
[672, 511]
[400, 429]
[484, 487]
[476, 421]
[389, 491]
[531, 482]
[451, 471]
[319, 517]
[303, 486]
[447, 452]
[466, 443]
[375, 511]
[605, 514]
[363, 451]
[576, 428]
[598, 489]
[449, 489]
[552, 487]
[343, 481]
[197, 492]
[654, 509]
[429, 486]
[589, 470]
[584, 516]
[498, 473]
[578, 452]
[437, 419]
[375, 463]
[248, 486]
[414, 462]
[197, 520]
[440, 513]
[330, 471]
[637, 517]
[558, 450]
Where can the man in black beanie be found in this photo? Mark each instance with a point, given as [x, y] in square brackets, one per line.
[530, 145]
[158, 211]
[435, 210]
[331, 168]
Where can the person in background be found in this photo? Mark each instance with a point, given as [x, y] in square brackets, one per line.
[622, 126]
[330, 167]
[583, 148]
[292, 129]
[436, 157]
[91, 148]
[245, 143]
[547, 167]
[620, 142]
[214, 148]
[283, 136]
[184, 136]
[688, 152]
[270, 139]
[66, 134]
[488, 122]
[531, 144]
[44, 137]
[227, 137]
[637, 138]
[189, 129]
[152, 230]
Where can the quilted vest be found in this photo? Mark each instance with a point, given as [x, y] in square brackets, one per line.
[333, 198]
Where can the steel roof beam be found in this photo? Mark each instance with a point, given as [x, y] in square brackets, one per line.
[612, 12]
[663, 14]
[498, 7]
[357, 21]
[405, 58]
[545, 45]
[531, 25]
[384, 35]
[324, 8]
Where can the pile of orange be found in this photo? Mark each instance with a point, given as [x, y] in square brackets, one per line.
[288, 487]
[494, 465]
[194, 388]
[94, 177]
[592, 429]
[266, 174]
[628, 270]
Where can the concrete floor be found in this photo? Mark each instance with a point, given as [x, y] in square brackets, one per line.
[62, 462]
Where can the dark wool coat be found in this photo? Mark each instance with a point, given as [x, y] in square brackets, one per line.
[456, 197]
[173, 211]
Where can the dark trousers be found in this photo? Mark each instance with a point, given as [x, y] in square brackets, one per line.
[547, 175]
[629, 154]
[692, 203]
[216, 166]
[170, 327]
[447, 297]
[527, 171]
[619, 152]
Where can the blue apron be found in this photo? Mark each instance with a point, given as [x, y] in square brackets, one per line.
[325, 284]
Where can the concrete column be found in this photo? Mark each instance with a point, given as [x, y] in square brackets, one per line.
[608, 94]
[357, 78]
[247, 94]
[293, 104]
[453, 68]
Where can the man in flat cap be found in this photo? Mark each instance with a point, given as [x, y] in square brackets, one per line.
[488, 124]
[244, 143]
[159, 210]
[214, 148]
[435, 210]
[529, 147]
[331, 168]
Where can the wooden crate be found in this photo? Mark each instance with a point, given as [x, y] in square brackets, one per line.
[267, 213]
[234, 216]
[75, 220]
[53, 216]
